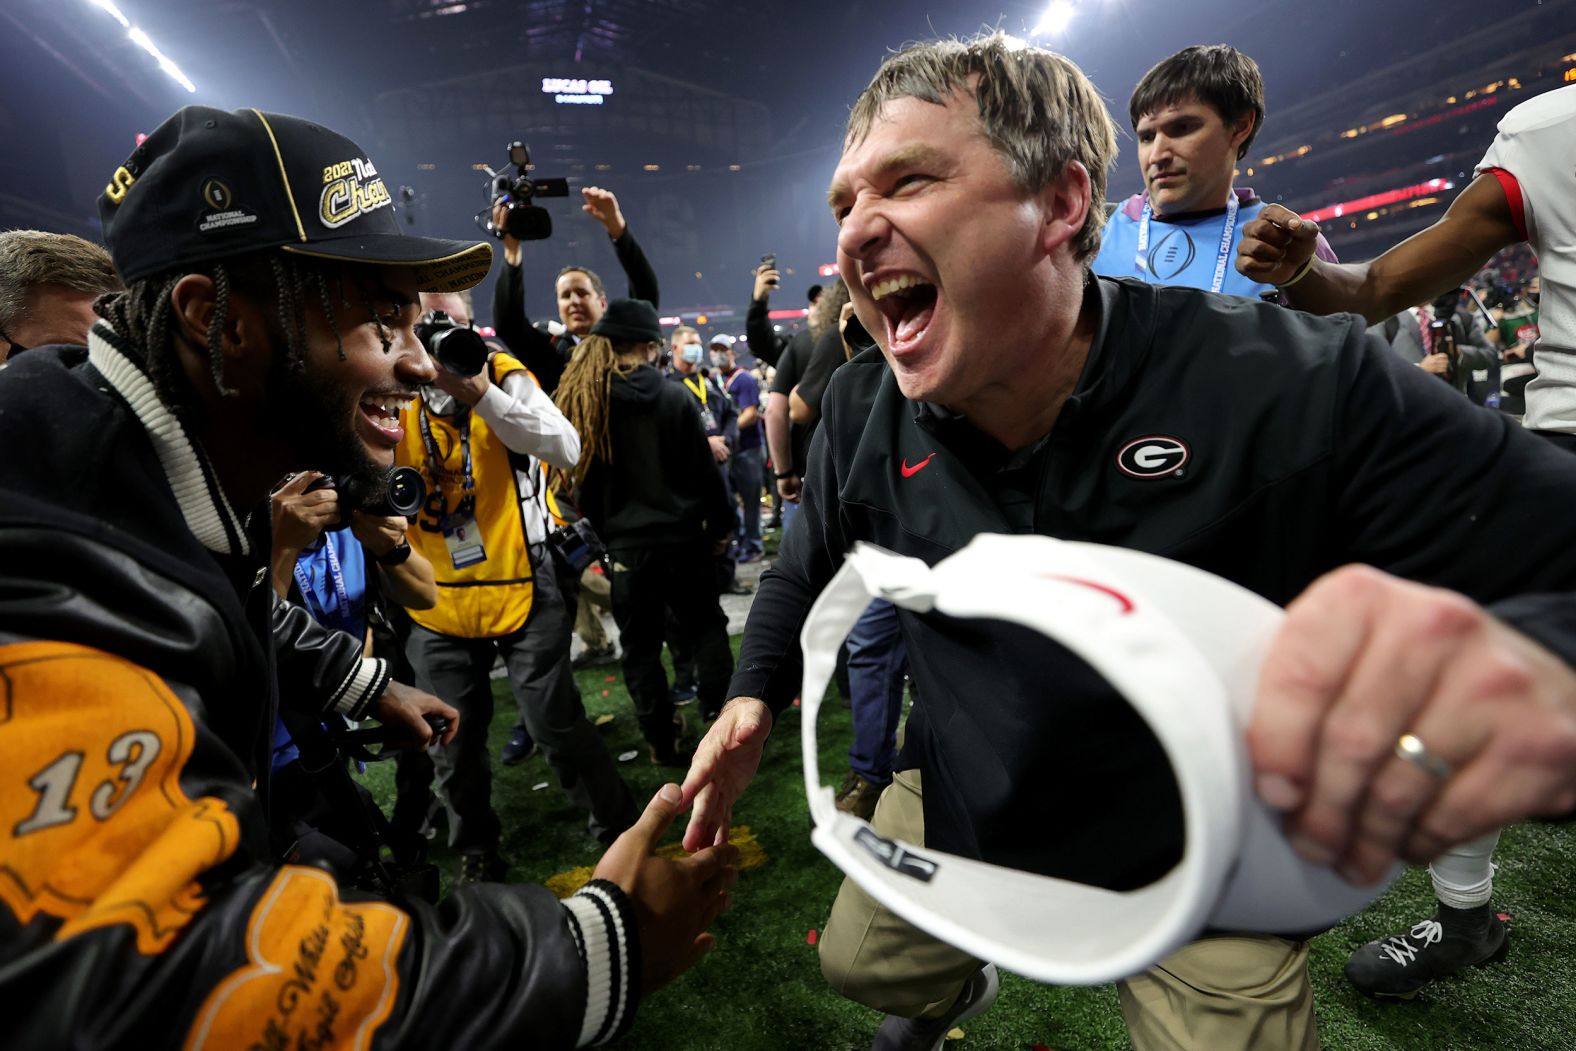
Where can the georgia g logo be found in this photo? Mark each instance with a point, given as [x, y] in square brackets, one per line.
[1153, 456]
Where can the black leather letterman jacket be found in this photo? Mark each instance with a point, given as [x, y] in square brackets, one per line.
[139, 905]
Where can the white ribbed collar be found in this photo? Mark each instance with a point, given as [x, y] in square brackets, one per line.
[208, 514]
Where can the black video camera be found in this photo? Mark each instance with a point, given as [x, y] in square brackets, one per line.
[523, 220]
[458, 348]
[1446, 303]
[398, 492]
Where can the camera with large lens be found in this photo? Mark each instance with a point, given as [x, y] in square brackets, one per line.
[523, 220]
[458, 348]
[399, 491]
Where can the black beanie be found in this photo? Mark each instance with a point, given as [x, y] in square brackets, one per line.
[630, 319]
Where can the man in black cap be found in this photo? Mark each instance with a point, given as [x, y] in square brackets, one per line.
[267, 325]
[648, 483]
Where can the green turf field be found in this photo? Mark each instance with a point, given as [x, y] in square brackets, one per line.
[762, 989]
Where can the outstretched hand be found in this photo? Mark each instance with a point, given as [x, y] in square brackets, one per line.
[602, 206]
[674, 901]
[724, 765]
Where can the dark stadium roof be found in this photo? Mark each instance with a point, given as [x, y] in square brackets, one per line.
[724, 118]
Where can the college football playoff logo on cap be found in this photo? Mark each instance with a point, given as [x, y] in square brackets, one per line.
[217, 194]
[1153, 456]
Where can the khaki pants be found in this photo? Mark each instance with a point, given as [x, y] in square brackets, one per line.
[1220, 993]
[595, 596]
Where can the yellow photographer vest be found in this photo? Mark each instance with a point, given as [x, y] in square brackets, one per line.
[478, 597]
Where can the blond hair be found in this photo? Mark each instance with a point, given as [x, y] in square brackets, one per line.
[1036, 108]
[582, 396]
[30, 258]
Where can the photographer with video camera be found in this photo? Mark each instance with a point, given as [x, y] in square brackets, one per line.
[579, 292]
[1442, 341]
[480, 435]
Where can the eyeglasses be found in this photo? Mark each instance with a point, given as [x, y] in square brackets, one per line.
[1184, 648]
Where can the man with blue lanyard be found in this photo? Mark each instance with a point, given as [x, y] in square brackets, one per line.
[325, 563]
[1195, 115]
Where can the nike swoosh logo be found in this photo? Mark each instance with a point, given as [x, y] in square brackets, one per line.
[909, 472]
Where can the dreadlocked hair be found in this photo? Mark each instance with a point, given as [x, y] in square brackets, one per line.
[143, 316]
[582, 396]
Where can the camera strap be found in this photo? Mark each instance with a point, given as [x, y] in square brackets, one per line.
[437, 507]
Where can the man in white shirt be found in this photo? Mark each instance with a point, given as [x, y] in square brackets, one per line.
[480, 442]
[1524, 190]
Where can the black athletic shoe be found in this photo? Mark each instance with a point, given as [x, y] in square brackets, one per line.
[519, 748]
[912, 1034]
[1452, 939]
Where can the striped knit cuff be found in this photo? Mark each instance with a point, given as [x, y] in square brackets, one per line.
[605, 935]
[365, 683]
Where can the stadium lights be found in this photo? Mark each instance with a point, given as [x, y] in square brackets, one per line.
[113, 11]
[142, 40]
[1057, 17]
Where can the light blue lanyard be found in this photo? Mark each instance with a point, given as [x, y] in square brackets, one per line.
[336, 576]
[1142, 259]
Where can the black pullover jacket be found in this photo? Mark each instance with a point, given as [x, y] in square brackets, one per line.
[1305, 449]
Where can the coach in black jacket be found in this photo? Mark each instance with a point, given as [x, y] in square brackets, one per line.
[581, 296]
[1017, 394]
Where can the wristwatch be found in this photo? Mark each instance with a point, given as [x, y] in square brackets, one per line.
[394, 556]
[787, 474]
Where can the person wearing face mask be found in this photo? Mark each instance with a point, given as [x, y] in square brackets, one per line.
[1195, 114]
[744, 467]
[578, 291]
[721, 420]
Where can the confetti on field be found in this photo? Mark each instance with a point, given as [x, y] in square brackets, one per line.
[604, 719]
[809, 939]
[955, 1033]
[1504, 917]
[610, 678]
[539, 786]
[1038, 1047]
[625, 757]
[751, 856]
[796, 702]
[604, 693]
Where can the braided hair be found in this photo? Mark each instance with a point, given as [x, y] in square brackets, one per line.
[583, 396]
[143, 316]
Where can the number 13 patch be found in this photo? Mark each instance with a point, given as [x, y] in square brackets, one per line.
[94, 826]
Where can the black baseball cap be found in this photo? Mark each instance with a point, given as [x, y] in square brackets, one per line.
[208, 184]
